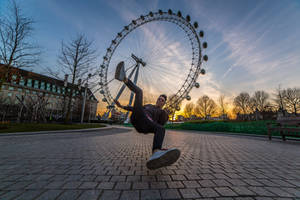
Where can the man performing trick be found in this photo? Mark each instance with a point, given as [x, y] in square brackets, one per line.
[149, 119]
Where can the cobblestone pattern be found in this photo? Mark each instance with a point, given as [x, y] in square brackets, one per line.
[110, 165]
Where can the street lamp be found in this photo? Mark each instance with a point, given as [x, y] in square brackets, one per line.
[65, 93]
[84, 98]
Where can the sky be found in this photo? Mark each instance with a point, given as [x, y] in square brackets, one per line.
[252, 44]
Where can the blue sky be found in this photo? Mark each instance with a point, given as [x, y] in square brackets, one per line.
[252, 45]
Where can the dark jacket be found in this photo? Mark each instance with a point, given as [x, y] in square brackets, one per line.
[157, 114]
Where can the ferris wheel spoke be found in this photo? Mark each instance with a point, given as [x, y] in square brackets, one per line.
[166, 71]
[163, 74]
[161, 77]
[154, 52]
[164, 57]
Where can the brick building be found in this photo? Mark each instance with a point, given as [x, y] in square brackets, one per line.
[25, 92]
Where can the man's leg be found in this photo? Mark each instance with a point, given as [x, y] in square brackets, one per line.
[120, 75]
[159, 135]
[138, 101]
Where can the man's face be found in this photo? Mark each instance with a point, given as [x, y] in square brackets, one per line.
[160, 102]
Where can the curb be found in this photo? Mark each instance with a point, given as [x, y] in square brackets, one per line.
[56, 131]
[236, 134]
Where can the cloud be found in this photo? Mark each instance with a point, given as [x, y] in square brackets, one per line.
[263, 42]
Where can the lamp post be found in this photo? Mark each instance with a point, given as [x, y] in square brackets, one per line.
[65, 92]
[84, 98]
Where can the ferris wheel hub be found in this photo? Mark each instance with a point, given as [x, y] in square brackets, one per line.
[138, 60]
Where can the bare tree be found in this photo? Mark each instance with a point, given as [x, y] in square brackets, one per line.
[242, 103]
[292, 99]
[223, 105]
[173, 105]
[259, 101]
[16, 49]
[205, 106]
[76, 59]
[188, 109]
[279, 98]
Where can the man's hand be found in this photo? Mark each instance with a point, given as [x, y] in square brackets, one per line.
[167, 111]
[118, 103]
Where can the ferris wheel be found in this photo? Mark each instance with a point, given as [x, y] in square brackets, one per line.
[162, 52]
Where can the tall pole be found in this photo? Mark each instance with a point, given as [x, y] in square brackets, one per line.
[65, 94]
[84, 98]
[83, 104]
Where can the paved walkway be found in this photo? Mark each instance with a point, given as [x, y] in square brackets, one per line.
[110, 164]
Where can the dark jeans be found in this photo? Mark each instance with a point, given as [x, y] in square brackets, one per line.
[139, 120]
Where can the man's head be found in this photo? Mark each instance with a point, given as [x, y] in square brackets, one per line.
[161, 100]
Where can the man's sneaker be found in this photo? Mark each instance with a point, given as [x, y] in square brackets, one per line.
[163, 158]
[120, 72]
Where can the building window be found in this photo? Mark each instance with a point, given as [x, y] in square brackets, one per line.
[36, 84]
[42, 85]
[22, 81]
[63, 90]
[20, 89]
[3, 87]
[29, 82]
[11, 88]
[48, 87]
[14, 79]
[53, 88]
[9, 94]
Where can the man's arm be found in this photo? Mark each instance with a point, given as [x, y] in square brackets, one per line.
[164, 117]
[128, 108]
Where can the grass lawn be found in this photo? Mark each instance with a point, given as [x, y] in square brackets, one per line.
[31, 127]
[249, 127]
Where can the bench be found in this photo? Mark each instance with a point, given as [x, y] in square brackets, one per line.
[287, 126]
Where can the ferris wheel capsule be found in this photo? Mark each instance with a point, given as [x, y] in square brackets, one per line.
[188, 18]
[201, 33]
[197, 85]
[202, 71]
[104, 100]
[177, 108]
[101, 91]
[179, 14]
[188, 97]
[196, 24]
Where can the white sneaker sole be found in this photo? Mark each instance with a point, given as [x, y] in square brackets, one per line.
[166, 159]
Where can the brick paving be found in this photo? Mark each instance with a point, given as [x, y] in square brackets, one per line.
[110, 164]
